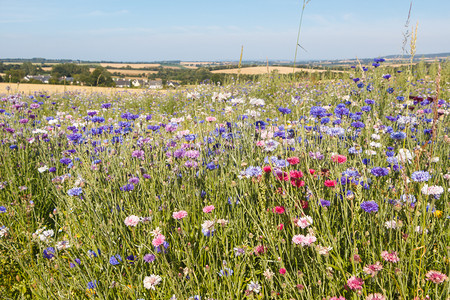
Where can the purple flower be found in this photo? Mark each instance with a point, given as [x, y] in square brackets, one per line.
[369, 206]
[49, 253]
[65, 161]
[133, 180]
[148, 258]
[324, 203]
[127, 187]
[398, 135]
[378, 171]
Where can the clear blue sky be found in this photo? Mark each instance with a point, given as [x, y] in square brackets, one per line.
[215, 30]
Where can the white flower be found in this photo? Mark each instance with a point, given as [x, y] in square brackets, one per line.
[376, 136]
[270, 145]
[42, 169]
[322, 250]
[393, 224]
[3, 231]
[419, 230]
[257, 102]
[370, 152]
[432, 190]
[434, 159]
[156, 232]
[45, 235]
[254, 286]
[268, 274]
[375, 145]
[150, 282]
[62, 245]
[405, 156]
[252, 113]
[208, 225]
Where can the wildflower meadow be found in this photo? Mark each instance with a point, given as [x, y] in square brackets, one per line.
[267, 189]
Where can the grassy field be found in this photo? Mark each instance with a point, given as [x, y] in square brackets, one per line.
[264, 189]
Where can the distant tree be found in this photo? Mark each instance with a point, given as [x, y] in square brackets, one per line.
[15, 75]
[68, 70]
[101, 77]
[28, 68]
[1, 78]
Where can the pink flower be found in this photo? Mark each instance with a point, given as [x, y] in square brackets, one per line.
[337, 298]
[208, 209]
[158, 240]
[391, 257]
[260, 143]
[373, 270]
[304, 222]
[179, 214]
[375, 296]
[339, 159]
[282, 271]
[278, 209]
[330, 183]
[303, 240]
[355, 283]
[293, 160]
[436, 277]
[210, 119]
[132, 220]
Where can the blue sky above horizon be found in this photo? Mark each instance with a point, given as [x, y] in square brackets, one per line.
[201, 30]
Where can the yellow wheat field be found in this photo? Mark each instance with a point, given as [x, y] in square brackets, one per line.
[29, 89]
[263, 70]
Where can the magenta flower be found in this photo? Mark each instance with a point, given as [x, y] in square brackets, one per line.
[355, 283]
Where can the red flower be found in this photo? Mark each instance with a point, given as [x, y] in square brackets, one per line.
[267, 169]
[283, 176]
[293, 160]
[297, 182]
[339, 159]
[330, 183]
[280, 227]
[312, 171]
[296, 174]
[278, 209]
[304, 204]
[282, 271]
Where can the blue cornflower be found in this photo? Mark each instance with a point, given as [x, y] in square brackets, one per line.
[284, 110]
[398, 135]
[106, 105]
[2, 209]
[127, 187]
[92, 285]
[420, 176]
[378, 171]
[369, 206]
[77, 191]
[324, 203]
[225, 272]
[114, 260]
[253, 171]
[358, 124]
[49, 253]
[65, 161]
[318, 112]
